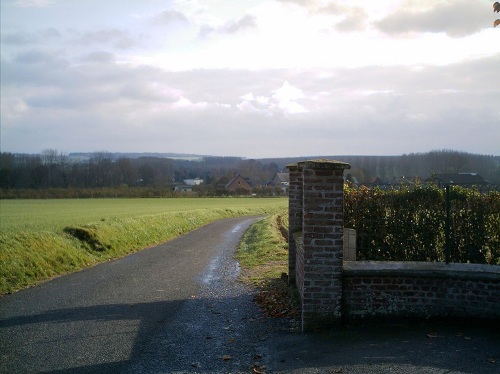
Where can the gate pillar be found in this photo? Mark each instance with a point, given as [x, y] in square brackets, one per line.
[316, 247]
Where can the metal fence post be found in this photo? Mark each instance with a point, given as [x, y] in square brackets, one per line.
[447, 225]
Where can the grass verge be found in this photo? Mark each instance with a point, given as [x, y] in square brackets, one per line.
[263, 257]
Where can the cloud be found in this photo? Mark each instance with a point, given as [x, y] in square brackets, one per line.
[232, 27]
[253, 104]
[25, 38]
[20, 38]
[100, 103]
[286, 98]
[34, 3]
[345, 17]
[188, 104]
[304, 3]
[39, 57]
[99, 57]
[246, 22]
[455, 18]
[117, 38]
[283, 101]
[355, 20]
[170, 16]
[150, 92]
[351, 18]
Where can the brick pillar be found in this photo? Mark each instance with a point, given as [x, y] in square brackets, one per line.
[294, 217]
[322, 229]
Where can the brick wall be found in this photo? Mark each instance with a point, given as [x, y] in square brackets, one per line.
[294, 217]
[419, 289]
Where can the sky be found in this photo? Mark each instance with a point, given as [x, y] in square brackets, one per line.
[250, 78]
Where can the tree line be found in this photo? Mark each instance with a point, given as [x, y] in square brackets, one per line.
[420, 165]
[52, 169]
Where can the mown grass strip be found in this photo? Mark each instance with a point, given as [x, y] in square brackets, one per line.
[263, 256]
[31, 256]
[263, 252]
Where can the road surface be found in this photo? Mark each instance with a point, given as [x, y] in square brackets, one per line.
[176, 307]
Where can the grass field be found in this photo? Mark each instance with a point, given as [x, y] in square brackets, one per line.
[54, 215]
[40, 239]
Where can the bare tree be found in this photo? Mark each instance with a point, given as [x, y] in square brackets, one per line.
[101, 163]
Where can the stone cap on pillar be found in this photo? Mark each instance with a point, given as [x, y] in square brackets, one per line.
[321, 163]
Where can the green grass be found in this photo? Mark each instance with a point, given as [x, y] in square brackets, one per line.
[263, 256]
[40, 239]
[263, 252]
[53, 215]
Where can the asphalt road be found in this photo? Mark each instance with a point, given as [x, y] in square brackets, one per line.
[178, 308]
[148, 312]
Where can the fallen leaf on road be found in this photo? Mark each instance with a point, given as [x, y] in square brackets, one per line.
[432, 335]
[227, 357]
[491, 360]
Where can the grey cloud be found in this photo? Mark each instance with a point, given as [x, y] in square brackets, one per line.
[232, 27]
[206, 30]
[51, 33]
[354, 20]
[170, 16]
[34, 3]
[150, 92]
[245, 22]
[305, 3]
[66, 100]
[99, 57]
[39, 68]
[350, 110]
[455, 18]
[117, 38]
[95, 80]
[20, 38]
[36, 56]
[25, 38]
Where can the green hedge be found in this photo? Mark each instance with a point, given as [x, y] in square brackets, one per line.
[409, 224]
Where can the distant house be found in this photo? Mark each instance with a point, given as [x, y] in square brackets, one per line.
[183, 188]
[193, 182]
[373, 182]
[188, 185]
[404, 181]
[281, 180]
[349, 178]
[238, 184]
[459, 179]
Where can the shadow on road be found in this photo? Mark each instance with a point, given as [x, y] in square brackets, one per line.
[67, 333]
[207, 330]
[205, 335]
[393, 347]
